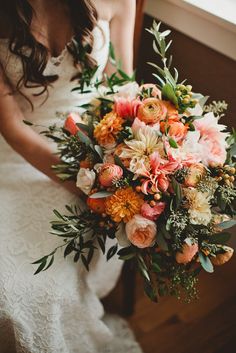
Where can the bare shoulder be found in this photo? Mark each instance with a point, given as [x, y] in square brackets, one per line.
[108, 9]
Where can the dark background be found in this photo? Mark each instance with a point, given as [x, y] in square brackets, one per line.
[208, 71]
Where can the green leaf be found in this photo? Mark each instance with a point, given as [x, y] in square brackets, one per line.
[85, 262]
[100, 195]
[206, 263]
[112, 251]
[219, 238]
[228, 224]
[99, 151]
[84, 138]
[26, 122]
[50, 263]
[169, 93]
[161, 241]
[101, 243]
[150, 292]
[172, 143]
[41, 267]
[156, 267]
[127, 257]
[69, 248]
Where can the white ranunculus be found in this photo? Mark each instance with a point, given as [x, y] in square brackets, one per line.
[85, 180]
[199, 207]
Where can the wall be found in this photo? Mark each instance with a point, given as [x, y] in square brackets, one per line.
[209, 72]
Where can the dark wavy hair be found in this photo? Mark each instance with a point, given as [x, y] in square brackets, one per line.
[20, 13]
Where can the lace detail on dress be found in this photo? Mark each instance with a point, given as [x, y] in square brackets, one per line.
[57, 311]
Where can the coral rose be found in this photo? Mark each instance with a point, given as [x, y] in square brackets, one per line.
[97, 205]
[126, 108]
[70, 123]
[221, 259]
[152, 213]
[152, 110]
[187, 253]
[141, 232]
[176, 129]
[194, 175]
[109, 173]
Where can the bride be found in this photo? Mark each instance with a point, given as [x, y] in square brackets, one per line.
[58, 310]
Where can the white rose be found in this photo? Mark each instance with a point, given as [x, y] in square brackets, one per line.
[85, 180]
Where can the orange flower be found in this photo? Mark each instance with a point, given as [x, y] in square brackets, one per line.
[221, 259]
[96, 205]
[123, 205]
[152, 110]
[108, 128]
[187, 253]
[172, 112]
[86, 163]
[175, 129]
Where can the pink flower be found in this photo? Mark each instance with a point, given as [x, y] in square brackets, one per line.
[155, 92]
[141, 232]
[152, 213]
[126, 107]
[187, 253]
[157, 178]
[109, 173]
[212, 140]
[70, 123]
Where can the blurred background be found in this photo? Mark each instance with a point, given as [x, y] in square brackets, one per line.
[204, 50]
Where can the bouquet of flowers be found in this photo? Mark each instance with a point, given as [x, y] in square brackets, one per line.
[158, 173]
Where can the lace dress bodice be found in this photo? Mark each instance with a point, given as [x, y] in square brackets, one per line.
[57, 311]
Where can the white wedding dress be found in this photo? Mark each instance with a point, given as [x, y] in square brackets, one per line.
[57, 311]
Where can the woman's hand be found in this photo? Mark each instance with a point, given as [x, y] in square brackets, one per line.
[29, 144]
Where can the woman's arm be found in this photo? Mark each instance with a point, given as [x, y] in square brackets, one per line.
[122, 33]
[30, 145]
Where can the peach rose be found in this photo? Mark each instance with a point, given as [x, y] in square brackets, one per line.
[177, 130]
[155, 92]
[195, 173]
[97, 205]
[70, 123]
[141, 232]
[152, 213]
[126, 108]
[221, 259]
[187, 253]
[109, 173]
[152, 110]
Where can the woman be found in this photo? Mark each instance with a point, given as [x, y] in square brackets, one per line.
[58, 310]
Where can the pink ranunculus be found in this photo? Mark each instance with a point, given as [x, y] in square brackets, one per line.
[126, 107]
[141, 232]
[212, 140]
[152, 213]
[109, 173]
[71, 121]
[155, 92]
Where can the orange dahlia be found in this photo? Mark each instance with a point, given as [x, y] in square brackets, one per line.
[123, 205]
[108, 128]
